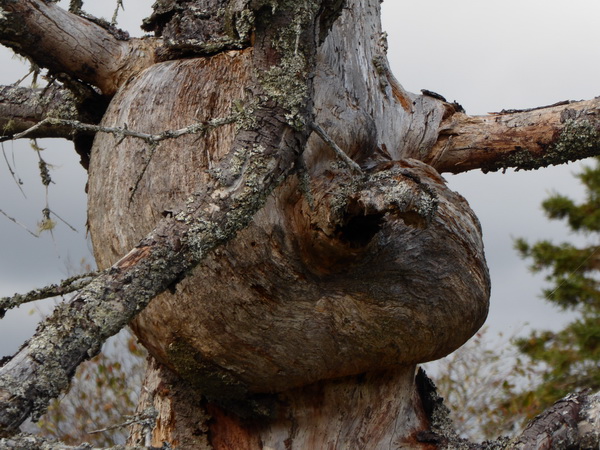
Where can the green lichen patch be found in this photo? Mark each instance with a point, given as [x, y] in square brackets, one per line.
[578, 139]
[287, 81]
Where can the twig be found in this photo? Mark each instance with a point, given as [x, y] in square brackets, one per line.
[114, 17]
[67, 286]
[13, 174]
[338, 151]
[20, 80]
[62, 220]
[124, 131]
[153, 146]
[146, 417]
[18, 223]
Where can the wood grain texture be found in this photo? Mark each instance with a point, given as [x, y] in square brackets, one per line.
[305, 292]
[527, 139]
[67, 43]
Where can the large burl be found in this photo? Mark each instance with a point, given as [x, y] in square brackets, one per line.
[339, 273]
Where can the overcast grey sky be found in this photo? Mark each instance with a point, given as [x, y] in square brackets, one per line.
[485, 55]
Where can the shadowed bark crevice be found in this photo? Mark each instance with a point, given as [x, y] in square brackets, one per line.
[358, 231]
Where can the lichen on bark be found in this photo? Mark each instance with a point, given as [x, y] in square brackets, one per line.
[578, 139]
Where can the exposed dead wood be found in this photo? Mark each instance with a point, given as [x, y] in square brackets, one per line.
[23, 108]
[327, 414]
[214, 215]
[527, 139]
[68, 43]
[285, 264]
[76, 332]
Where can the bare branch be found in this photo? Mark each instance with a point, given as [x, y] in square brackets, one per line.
[338, 151]
[76, 332]
[572, 422]
[525, 139]
[75, 125]
[146, 418]
[87, 51]
[12, 219]
[67, 286]
[22, 108]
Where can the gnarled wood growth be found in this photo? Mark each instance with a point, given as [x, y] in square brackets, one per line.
[295, 293]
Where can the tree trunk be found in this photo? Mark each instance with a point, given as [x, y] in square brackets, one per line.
[268, 178]
[339, 274]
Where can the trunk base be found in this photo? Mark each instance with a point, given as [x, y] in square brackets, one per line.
[375, 410]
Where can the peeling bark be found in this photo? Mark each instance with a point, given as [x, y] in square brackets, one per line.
[527, 139]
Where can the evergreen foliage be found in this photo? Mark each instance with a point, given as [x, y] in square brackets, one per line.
[571, 357]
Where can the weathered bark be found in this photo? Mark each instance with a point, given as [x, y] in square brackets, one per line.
[327, 243]
[71, 44]
[528, 139]
[573, 422]
[72, 284]
[22, 108]
[314, 288]
[332, 414]
[207, 220]
[286, 274]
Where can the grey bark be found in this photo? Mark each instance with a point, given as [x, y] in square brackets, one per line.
[285, 274]
[101, 56]
[21, 108]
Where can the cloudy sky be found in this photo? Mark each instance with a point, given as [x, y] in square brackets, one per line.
[486, 55]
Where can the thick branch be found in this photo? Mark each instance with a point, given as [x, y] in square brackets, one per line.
[76, 332]
[527, 139]
[67, 43]
[22, 108]
[572, 422]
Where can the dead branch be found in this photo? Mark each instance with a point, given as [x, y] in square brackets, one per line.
[12, 219]
[119, 132]
[337, 150]
[67, 286]
[22, 108]
[572, 422]
[37, 29]
[76, 332]
[527, 139]
[146, 418]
